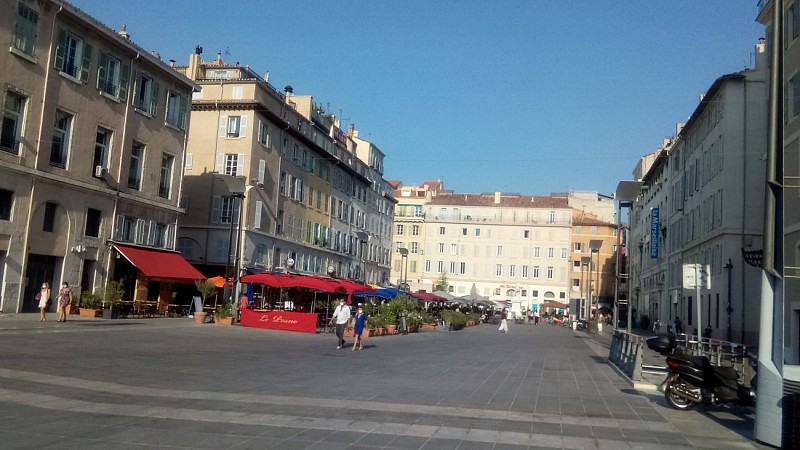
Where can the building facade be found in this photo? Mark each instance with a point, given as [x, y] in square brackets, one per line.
[513, 249]
[93, 138]
[593, 250]
[307, 202]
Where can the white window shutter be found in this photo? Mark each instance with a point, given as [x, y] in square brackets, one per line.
[243, 126]
[151, 233]
[187, 165]
[240, 166]
[262, 168]
[260, 131]
[223, 126]
[220, 166]
[169, 237]
[215, 208]
[257, 219]
[119, 227]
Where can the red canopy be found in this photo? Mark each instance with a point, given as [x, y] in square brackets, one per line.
[160, 265]
[264, 278]
[428, 297]
[351, 286]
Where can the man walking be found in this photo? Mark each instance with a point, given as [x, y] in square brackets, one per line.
[341, 315]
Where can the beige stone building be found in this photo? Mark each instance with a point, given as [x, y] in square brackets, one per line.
[513, 249]
[309, 203]
[409, 232]
[91, 147]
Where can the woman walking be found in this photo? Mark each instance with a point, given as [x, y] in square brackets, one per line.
[43, 296]
[358, 328]
[64, 300]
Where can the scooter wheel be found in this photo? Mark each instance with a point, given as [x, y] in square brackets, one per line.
[674, 400]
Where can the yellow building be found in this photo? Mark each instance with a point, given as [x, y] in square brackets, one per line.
[593, 258]
[91, 147]
[409, 232]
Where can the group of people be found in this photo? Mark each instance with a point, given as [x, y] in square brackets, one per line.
[64, 299]
[342, 315]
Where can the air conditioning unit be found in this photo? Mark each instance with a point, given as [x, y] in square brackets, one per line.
[100, 171]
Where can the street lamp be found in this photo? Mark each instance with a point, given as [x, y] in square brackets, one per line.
[594, 247]
[586, 262]
[626, 194]
[236, 189]
[403, 285]
[363, 238]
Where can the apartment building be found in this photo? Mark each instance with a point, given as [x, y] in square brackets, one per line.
[409, 232]
[593, 251]
[91, 147]
[307, 202]
[778, 405]
[511, 248]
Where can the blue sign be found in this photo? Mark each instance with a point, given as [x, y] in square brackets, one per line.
[654, 229]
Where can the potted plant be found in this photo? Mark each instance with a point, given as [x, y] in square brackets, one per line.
[206, 289]
[111, 299]
[375, 323]
[224, 315]
[90, 304]
[413, 321]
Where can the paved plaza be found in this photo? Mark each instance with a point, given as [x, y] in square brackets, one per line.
[171, 383]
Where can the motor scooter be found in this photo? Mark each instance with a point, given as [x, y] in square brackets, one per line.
[692, 380]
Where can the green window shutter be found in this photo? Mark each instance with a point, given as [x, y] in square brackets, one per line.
[183, 110]
[62, 44]
[154, 100]
[136, 87]
[101, 71]
[87, 61]
[122, 92]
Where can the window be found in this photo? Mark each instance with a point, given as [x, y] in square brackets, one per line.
[496, 291]
[418, 211]
[550, 272]
[101, 146]
[535, 271]
[498, 269]
[233, 126]
[93, 217]
[49, 217]
[512, 270]
[441, 230]
[427, 265]
[524, 271]
[13, 120]
[165, 175]
[576, 283]
[452, 267]
[440, 266]
[145, 95]
[230, 164]
[25, 29]
[412, 266]
[453, 249]
[158, 235]
[550, 252]
[279, 222]
[398, 246]
[499, 251]
[400, 230]
[415, 230]
[414, 247]
[441, 247]
[125, 229]
[563, 252]
[526, 234]
[477, 232]
[112, 77]
[177, 106]
[594, 230]
[463, 268]
[59, 148]
[535, 252]
[6, 204]
[552, 217]
[463, 231]
[578, 229]
[263, 134]
[534, 293]
[576, 247]
[135, 166]
[73, 56]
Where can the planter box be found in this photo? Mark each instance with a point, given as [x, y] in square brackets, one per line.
[379, 331]
[227, 321]
[391, 329]
[86, 312]
[200, 316]
[111, 313]
[428, 327]
[457, 326]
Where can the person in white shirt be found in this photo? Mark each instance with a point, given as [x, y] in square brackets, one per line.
[341, 315]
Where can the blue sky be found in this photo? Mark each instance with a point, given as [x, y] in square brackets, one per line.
[520, 96]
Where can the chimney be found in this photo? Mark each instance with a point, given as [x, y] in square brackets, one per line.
[124, 33]
[195, 61]
[497, 196]
[287, 92]
[351, 130]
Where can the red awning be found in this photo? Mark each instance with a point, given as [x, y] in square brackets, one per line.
[160, 265]
[268, 279]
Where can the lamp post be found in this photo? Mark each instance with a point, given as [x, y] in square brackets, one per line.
[236, 189]
[586, 262]
[363, 238]
[594, 247]
[403, 284]
[625, 195]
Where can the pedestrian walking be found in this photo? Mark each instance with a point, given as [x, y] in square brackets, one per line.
[341, 315]
[44, 298]
[536, 316]
[678, 325]
[358, 328]
[64, 300]
[503, 322]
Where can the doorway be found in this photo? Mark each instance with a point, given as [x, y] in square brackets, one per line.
[40, 269]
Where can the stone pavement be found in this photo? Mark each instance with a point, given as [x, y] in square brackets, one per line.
[171, 383]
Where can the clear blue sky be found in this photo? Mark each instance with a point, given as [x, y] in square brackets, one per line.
[527, 96]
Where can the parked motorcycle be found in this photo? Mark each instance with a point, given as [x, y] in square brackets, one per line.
[693, 380]
[581, 325]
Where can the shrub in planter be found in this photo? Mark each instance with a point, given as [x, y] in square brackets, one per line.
[224, 314]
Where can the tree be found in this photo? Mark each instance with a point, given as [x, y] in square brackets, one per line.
[441, 283]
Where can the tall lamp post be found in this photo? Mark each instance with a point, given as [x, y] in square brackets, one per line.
[594, 247]
[236, 189]
[625, 195]
[586, 262]
[363, 238]
[403, 284]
